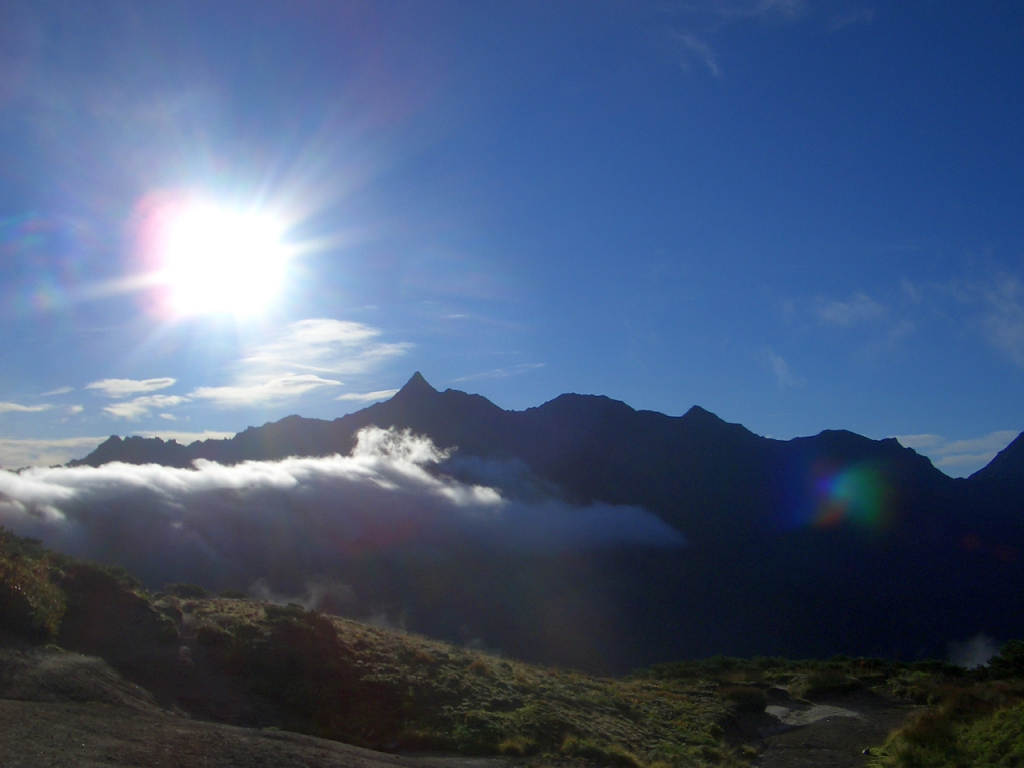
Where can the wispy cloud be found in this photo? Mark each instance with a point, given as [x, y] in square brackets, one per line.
[1003, 321]
[125, 387]
[959, 457]
[18, 408]
[366, 397]
[700, 50]
[268, 392]
[323, 346]
[501, 373]
[58, 391]
[704, 21]
[784, 377]
[859, 309]
[273, 372]
[142, 406]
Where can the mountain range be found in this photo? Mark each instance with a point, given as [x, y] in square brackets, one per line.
[814, 546]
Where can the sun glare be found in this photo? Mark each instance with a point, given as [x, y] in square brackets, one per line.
[222, 260]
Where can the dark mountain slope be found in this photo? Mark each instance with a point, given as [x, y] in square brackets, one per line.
[689, 470]
[833, 543]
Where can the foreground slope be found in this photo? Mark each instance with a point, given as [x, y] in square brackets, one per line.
[182, 679]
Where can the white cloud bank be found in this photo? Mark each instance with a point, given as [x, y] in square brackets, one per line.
[300, 519]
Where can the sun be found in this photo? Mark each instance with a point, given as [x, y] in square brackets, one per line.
[216, 259]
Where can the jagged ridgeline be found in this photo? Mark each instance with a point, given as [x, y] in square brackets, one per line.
[808, 547]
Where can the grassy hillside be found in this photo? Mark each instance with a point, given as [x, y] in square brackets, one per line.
[235, 660]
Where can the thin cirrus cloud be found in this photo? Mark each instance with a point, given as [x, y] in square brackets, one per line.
[323, 345]
[19, 408]
[501, 373]
[117, 388]
[268, 392]
[270, 372]
[707, 19]
[700, 50]
[784, 376]
[142, 406]
[1003, 321]
[368, 397]
[858, 310]
[959, 455]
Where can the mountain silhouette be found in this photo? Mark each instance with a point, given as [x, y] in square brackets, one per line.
[834, 543]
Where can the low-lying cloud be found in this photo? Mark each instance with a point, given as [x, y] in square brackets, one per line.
[294, 522]
[959, 457]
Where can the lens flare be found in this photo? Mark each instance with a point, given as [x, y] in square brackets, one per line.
[832, 495]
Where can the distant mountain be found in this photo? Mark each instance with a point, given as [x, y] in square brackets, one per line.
[806, 547]
[1006, 469]
[590, 447]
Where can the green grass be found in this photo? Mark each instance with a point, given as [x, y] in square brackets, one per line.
[364, 685]
[360, 684]
[31, 602]
[967, 724]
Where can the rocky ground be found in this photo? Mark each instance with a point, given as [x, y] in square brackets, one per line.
[831, 732]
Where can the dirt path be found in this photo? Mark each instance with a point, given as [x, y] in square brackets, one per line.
[830, 732]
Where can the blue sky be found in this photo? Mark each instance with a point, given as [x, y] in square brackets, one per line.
[800, 215]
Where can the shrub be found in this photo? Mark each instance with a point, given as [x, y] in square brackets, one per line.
[1009, 662]
[747, 698]
[31, 605]
[186, 591]
[601, 754]
[823, 682]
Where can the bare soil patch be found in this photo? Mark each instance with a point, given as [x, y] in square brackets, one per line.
[829, 732]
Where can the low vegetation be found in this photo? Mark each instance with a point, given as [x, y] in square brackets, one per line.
[966, 720]
[31, 602]
[369, 686]
[232, 659]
